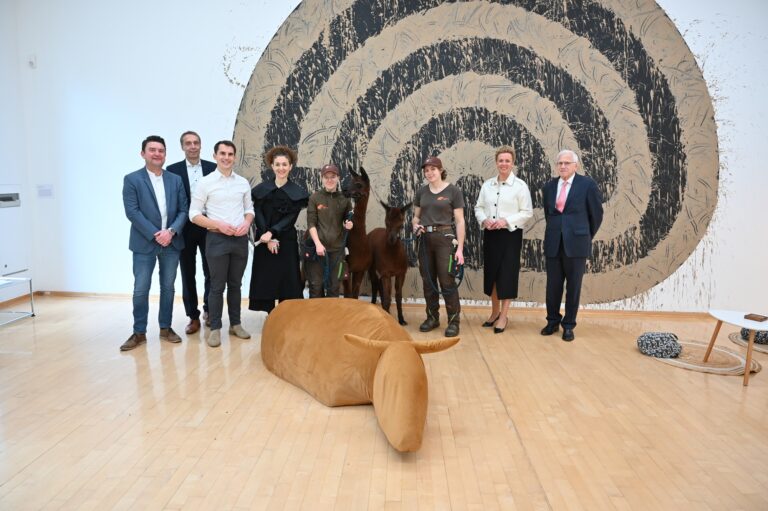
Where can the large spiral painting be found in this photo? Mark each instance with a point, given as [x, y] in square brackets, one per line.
[383, 84]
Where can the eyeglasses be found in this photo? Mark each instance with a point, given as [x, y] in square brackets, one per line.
[565, 163]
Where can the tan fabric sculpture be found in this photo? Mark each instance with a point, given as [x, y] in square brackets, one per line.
[347, 352]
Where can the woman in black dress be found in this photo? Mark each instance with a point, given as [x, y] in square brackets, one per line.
[503, 208]
[276, 203]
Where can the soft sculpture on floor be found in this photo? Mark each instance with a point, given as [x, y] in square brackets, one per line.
[346, 352]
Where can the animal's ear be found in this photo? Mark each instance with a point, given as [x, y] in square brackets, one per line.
[365, 176]
[368, 344]
[435, 345]
[384, 204]
[352, 171]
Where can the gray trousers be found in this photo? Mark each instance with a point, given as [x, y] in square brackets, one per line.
[227, 257]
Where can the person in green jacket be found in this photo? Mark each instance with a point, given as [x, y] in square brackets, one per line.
[328, 215]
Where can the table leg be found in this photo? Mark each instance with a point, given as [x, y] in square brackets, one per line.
[712, 341]
[749, 356]
[31, 298]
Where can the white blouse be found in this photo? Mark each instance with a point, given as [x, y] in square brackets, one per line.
[510, 200]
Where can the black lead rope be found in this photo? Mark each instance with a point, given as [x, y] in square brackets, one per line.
[326, 272]
[327, 259]
[347, 217]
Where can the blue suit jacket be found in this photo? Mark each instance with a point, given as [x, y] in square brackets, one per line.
[579, 221]
[144, 214]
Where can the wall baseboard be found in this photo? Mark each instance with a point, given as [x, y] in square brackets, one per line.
[475, 306]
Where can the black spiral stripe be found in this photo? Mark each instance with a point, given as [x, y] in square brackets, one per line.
[485, 57]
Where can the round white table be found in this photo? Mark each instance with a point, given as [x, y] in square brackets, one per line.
[736, 318]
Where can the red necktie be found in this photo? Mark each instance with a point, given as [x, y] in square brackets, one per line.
[560, 203]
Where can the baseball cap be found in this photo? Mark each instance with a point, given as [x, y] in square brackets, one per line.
[329, 168]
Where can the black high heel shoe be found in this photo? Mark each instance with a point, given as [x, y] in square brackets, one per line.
[500, 330]
[490, 323]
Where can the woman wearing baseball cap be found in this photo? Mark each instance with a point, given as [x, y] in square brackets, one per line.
[327, 219]
[439, 221]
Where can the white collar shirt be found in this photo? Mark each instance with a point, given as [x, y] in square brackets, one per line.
[560, 183]
[195, 174]
[223, 198]
[159, 187]
[510, 200]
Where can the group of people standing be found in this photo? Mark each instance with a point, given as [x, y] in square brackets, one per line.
[573, 212]
[158, 203]
[196, 205]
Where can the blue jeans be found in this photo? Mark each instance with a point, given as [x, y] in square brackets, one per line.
[143, 267]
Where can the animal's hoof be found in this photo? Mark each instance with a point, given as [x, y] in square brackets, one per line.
[403, 322]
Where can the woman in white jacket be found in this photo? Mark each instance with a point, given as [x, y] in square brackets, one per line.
[503, 207]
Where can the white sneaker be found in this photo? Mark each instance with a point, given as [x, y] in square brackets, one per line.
[239, 331]
[214, 338]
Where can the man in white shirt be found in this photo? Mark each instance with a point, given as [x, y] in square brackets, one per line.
[221, 203]
[156, 205]
[191, 170]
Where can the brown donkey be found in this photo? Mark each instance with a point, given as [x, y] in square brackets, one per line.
[389, 259]
[359, 258]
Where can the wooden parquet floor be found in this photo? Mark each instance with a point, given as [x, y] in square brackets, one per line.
[515, 421]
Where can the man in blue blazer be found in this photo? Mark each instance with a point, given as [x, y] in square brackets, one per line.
[573, 210]
[191, 170]
[157, 208]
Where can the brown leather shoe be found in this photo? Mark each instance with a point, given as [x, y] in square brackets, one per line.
[193, 327]
[133, 342]
[167, 334]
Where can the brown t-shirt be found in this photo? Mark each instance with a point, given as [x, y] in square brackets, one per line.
[437, 208]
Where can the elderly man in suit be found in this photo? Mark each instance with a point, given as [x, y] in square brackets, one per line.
[573, 210]
[191, 170]
[156, 206]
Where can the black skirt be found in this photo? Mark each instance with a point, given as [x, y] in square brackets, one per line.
[275, 276]
[501, 262]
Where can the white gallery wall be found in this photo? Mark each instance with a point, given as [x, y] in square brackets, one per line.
[82, 82]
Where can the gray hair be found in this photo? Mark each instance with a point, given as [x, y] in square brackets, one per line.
[568, 151]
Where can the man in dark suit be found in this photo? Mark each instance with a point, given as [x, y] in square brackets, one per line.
[157, 208]
[573, 210]
[191, 170]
